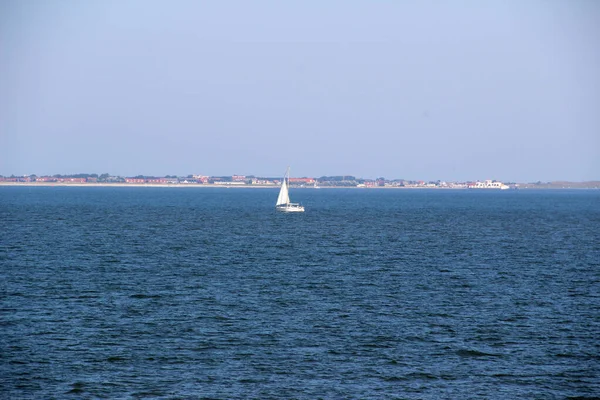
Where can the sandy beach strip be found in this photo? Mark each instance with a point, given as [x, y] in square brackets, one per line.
[205, 185]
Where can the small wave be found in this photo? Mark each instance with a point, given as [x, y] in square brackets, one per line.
[394, 378]
[565, 355]
[208, 347]
[77, 387]
[415, 339]
[250, 380]
[151, 394]
[475, 353]
[583, 398]
[115, 359]
[422, 376]
[144, 296]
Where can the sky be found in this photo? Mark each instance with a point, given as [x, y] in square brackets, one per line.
[456, 90]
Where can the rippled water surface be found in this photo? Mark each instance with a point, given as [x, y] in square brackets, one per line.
[209, 293]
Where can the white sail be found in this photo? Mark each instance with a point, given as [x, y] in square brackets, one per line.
[284, 196]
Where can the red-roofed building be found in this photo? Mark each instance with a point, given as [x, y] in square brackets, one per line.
[156, 180]
[302, 180]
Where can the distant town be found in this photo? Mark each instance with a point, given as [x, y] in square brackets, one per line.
[257, 181]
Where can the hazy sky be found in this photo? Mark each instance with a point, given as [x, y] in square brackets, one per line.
[454, 90]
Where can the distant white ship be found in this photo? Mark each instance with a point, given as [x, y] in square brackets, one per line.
[489, 184]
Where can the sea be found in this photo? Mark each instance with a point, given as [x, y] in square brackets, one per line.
[209, 293]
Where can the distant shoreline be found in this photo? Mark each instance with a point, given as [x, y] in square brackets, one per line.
[163, 185]
[524, 186]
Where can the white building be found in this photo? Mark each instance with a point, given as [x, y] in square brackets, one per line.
[489, 184]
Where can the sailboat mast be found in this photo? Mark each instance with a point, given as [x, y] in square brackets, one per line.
[288, 177]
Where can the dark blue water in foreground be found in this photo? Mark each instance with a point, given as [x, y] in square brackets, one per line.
[209, 293]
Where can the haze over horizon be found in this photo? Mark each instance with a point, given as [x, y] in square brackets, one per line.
[502, 90]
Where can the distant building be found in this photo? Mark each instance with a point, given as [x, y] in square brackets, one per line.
[257, 181]
[156, 181]
[72, 180]
[302, 180]
[201, 178]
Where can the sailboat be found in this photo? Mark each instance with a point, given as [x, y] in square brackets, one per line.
[283, 200]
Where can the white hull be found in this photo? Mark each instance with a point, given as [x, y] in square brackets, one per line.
[290, 208]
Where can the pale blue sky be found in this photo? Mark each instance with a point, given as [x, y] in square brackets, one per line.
[455, 90]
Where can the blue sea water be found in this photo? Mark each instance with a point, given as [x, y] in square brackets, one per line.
[210, 293]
